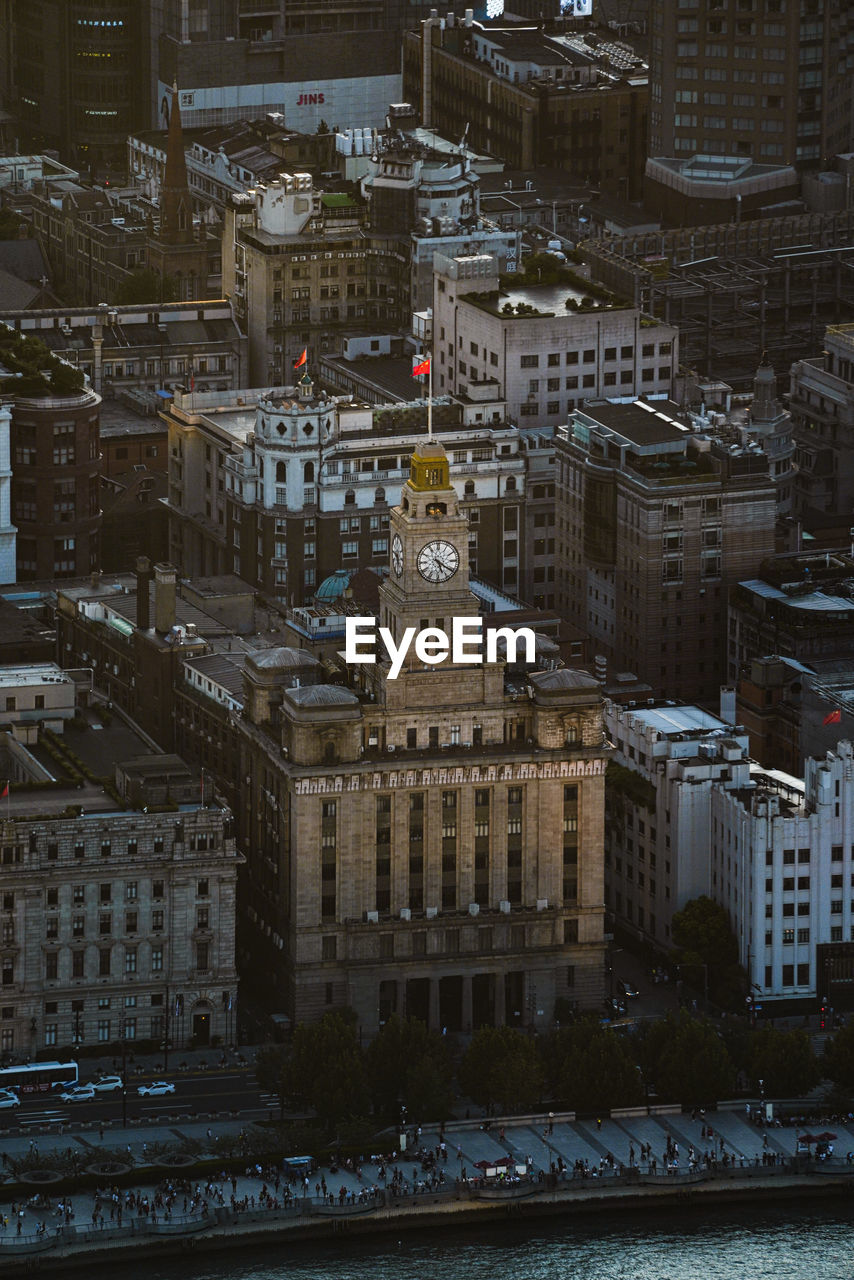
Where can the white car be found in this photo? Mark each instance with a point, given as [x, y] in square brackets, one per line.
[8, 1099]
[79, 1093]
[156, 1089]
[107, 1084]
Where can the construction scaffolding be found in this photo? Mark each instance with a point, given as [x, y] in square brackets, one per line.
[738, 289]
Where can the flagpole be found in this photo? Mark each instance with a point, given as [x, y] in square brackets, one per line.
[430, 397]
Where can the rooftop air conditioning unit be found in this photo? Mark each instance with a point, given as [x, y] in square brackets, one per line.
[542, 904]
[405, 913]
[474, 908]
[372, 917]
[504, 907]
[431, 913]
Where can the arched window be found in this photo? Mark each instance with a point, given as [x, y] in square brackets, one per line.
[350, 498]
[281, 472]
[469, 489]
[510, 486]
[308, 473]
[379, 494]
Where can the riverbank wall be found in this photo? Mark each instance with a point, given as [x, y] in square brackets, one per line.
[464, 1208]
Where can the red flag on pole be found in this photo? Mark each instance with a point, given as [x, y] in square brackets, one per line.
[421, 369]
[833, 717]
[192, 382]
[5, 792]
[302, 360]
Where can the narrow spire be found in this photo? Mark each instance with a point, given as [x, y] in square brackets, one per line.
[176, 206]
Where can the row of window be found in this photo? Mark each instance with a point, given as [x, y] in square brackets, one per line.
[588, 356]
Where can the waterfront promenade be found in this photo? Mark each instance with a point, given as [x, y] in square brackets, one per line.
[552, 1164]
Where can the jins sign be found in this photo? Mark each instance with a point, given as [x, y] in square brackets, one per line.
[310, 100]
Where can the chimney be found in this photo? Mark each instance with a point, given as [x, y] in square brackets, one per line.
[143, 604]
[165, 577]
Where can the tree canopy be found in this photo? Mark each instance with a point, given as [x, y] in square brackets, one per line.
[326, 1069]
[702, 936]
[839, 1059]
[784, 1061]
[409, 1066]
[592, 1068]
[687, 1061]
[501, 1067]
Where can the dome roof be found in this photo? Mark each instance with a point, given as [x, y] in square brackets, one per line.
[333, 587]
[565, 678]
[281, 657]
[322, 695]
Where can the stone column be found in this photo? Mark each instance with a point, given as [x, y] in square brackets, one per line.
[467, 1003]
[499, 1002]
[433, 1020]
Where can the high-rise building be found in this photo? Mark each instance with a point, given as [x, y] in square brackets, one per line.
[429, 845]
[56, 502]
[821, 400]
[769, 79]
[80, 75]
[654, 522]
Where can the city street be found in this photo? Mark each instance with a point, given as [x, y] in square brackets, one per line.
[197, 1093]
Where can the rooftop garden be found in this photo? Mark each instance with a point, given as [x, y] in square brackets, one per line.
[547, 270]
[30, 369]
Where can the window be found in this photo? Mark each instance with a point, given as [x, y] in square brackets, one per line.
[130, 960]
[156, 959]
[104, 966]
[202, 957]
[51, 966]
[202, 889]
[157, 889]
[77, 961]
[157, 921]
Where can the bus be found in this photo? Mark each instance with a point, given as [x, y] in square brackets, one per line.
[38, 1077]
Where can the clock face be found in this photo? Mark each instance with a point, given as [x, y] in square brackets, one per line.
[438, 561]
[397, 555]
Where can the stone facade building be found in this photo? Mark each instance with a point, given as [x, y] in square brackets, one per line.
[303, 269]
[429, 845]
[117, 921]
[821, 400]
[288, 493]
[534, 99]
[55, 488]
[654, 524]
[543, 359]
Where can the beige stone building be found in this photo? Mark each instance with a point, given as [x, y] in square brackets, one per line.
[430, 845]
[118, 895]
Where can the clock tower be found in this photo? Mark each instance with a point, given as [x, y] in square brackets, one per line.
[428, 582]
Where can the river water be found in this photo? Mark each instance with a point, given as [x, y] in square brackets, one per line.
[761, 1243]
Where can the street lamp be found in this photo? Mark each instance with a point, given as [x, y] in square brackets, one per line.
[124, 1077]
